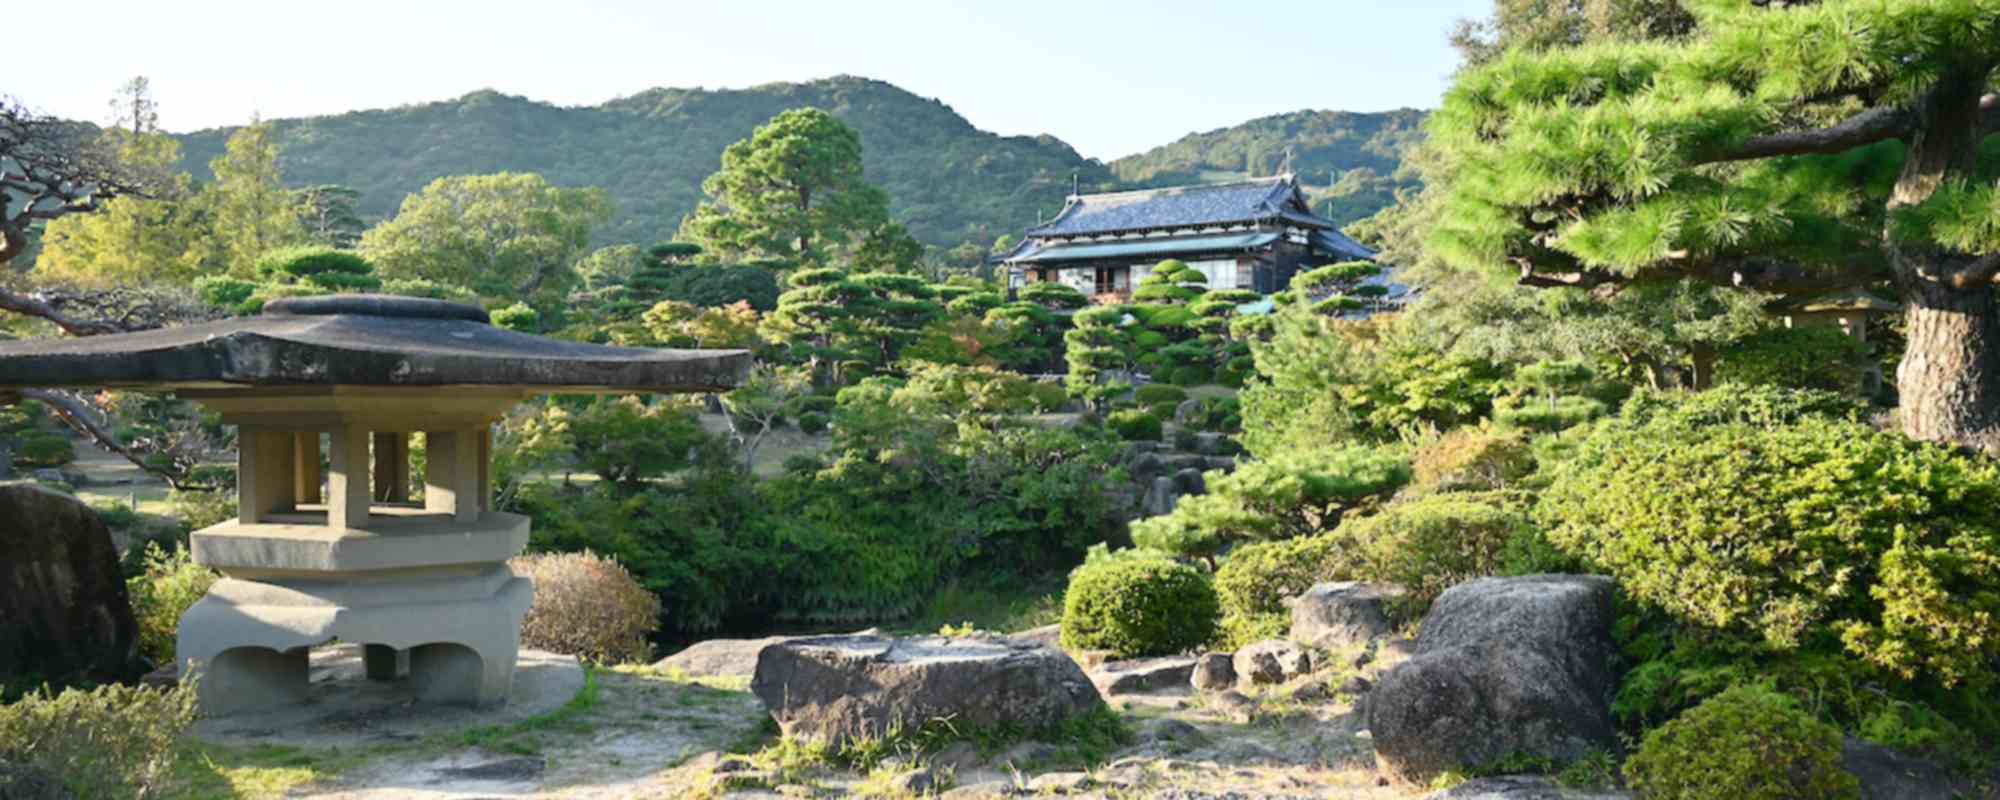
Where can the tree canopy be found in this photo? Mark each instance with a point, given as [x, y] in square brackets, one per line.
[508, 234]
[1789, 148]
[794, 189]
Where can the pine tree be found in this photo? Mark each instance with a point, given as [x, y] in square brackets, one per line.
[1786, 147]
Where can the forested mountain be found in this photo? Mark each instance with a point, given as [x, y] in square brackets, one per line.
[948, 181]
[1348, 161]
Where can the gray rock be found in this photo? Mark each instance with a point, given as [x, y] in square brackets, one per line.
[1503, 666]
[1340, 616]
[1355, 685]
[1146, 466]
[23, 782]
[718, 657]
[1190, 481]
[1145, 676]
[1886, 774]
[1235, 705]
[837, 689]
[512, 769]
[1214, 671]
[1060, 783]
[1520, 787]
[1045, 636]
[980, 791]
[917, 782]
[64, 615]
[1174, 730]
[1161, 497]
[1186, 410]
[1311, 692]
[1271, 661]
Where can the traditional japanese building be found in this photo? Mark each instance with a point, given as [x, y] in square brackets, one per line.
[1254, 234]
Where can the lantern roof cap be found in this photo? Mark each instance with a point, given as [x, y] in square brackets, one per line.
[361, 340]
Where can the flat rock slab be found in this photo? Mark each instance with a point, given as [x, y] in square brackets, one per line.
[725, 658]
[1171, 675]
[1520, 787]
[345, 709]
[839, 689]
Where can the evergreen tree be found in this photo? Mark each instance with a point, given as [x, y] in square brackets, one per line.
[1784, 147]
[795, 190]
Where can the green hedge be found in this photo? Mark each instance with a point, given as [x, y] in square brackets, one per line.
[1747, 743]
[1136, 426]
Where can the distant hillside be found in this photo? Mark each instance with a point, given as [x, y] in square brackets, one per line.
[1348, 160]
[948, 181]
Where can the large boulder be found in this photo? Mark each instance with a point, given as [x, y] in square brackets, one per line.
[838, 689]
[1343, 616]
[1167, 674]
[64, 616]
[1503, 667]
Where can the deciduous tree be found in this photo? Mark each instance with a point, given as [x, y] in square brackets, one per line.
[510, 234]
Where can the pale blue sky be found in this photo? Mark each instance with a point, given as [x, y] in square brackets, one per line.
[1109, 78]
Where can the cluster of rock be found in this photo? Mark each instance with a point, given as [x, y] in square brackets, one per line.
[1162, 475]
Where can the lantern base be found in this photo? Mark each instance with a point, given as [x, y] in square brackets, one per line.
[456, 631]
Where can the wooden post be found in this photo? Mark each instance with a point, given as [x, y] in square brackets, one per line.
[392, 467]
[347, 481]
[263, 473]
[451, 474]
[305, 468]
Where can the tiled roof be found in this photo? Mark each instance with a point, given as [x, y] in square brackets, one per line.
[1147, 247]
[1180, 206]
[1333, 241]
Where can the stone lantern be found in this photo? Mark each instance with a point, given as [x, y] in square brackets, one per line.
[344, 553]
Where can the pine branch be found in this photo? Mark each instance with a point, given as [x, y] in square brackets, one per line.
[1728, 272]
[1868, 127]
[82, 418]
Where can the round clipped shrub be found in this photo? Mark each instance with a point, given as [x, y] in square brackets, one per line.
[1154, 393]
[1134, 425]
[1192, 376]
[812, 422]
[1821, 536]
[1049, 397]
[517, 317]
[1747, 743]
[1137, 606]
[44, 449]
[588, 606]
[1255, 579]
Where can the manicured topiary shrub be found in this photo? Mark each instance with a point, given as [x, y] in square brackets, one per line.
[587, 606]
[1048, 397]
[1192, 376]
[1136, 426]
[520, 317]
[1542, 416]
[1255, 579]
[1138, 606]
[1153, 393]
[1747, 743]
[812, 422]
[44, 449]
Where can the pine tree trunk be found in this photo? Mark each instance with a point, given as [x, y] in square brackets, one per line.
[1949, 379]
